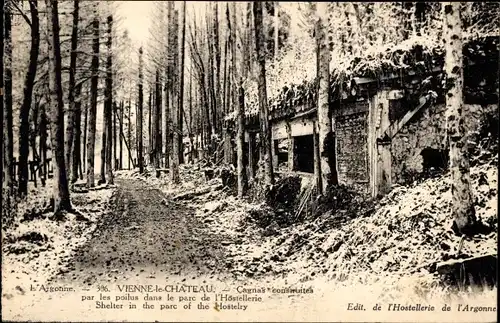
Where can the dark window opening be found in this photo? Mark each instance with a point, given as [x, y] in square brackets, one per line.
[434, 160]
[281, 154]
[304, 153]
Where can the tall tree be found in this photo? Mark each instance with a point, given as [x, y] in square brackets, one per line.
[181, 85]
[156, 124]
[230, 76]
[70, 128]
[174, 103]
[265, 130]
[120, 164]
[2, 5]
[76, 146]
[108, 104]
[139, 114]
[462, 201]
[239, 103]
[27, 100]
[93, 100]
[217, 54]
[61, 191]
[8, 142]
[326, 136]
[129, 131]
[167, 91]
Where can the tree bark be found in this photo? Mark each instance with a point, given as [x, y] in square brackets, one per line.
[75, 147]
[71, 121]
[157, 138]
[139, 116]
[122, 106]
[61, 190]
[43, 143]
[27, 101]
[150, 128]
[240, 108]
[231, 50]
[115, 146]
[167, 90]
[2, 5]
[108, 105]
[129, 132]
[462, 200]
[181, 85]
[7, 105]
[174, 103]
[93, 103]
[326, 136]
[217, 53]
[265, 131]
[85, 124]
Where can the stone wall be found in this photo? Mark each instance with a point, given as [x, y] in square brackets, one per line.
[427, 129]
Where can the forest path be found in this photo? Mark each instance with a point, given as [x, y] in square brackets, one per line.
[146, 236]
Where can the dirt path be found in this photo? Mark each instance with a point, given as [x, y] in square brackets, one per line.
[146, 236]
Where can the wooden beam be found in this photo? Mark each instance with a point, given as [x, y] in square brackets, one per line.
[379, 151]
[396, 126]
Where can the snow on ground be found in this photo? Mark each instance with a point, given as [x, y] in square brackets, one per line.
[36, 249]
[409, 231]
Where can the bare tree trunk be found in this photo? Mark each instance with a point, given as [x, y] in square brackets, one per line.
[265, 131]
[168, 90]
[139, 116]
[93, 103]
[462, 200]
[27, 101]
[129, 134]
[32, 138]
[150, 129]
[7, 105]
[115, 146]
[230, 50]
[122, 106]
[240, 108]
[181, 85]
[157, 137]
[276, 29]
[108, 105]
[75, 149]
[61, 193]
[4, 11]
[43, 143]
[71, 120]
[174, 167]
[217, 52]
[85, 124]
[328, 175]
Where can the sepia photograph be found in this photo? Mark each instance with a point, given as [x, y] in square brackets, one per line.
[208, 161]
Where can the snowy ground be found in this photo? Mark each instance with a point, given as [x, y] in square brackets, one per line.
[137, 232]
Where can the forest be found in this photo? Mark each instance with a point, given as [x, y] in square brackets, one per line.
[266, 139]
